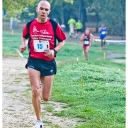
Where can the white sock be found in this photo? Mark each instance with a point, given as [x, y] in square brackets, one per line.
[39, 121]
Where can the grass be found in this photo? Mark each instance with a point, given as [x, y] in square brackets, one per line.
[11, 42]
[17, 80]
[93, 90]
[95, 94]
[49, 109]
[120, 57]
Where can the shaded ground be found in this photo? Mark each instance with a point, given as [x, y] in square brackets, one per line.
[119, 58]
[17, 108]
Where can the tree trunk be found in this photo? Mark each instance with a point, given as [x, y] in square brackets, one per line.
[62, 16]
[83, 18]
[80, 11]
[97, 22]
[82, 14]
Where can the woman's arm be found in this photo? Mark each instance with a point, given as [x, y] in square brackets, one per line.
[91, 37]
[82, 38]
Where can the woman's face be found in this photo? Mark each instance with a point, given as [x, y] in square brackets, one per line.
[43, 10]
[86, 31]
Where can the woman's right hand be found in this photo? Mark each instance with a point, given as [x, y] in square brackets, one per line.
[22, 48]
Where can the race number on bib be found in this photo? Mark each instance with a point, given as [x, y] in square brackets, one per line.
[86, 42]
[103, 32]
[41, 46]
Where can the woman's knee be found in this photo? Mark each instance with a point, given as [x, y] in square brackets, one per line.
[36, 92]
[86, 51]
[46, 98]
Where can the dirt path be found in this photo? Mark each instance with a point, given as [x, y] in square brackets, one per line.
[17, 107]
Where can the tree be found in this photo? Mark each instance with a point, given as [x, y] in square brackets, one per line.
[13, 6]
[62, 10]
[81, 7]
[112, 14]
[95, 8]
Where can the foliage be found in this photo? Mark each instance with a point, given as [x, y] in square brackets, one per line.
[14, 7]
[70, 1]
[116, 15]
[119, 23]
[105, 12]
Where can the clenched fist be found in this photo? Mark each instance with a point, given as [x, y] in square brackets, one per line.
[22, 48]
[50, 54]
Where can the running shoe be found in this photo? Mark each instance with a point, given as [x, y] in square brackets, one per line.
[39, 124]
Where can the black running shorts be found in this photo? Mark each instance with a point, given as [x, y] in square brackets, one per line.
[78, 30]
[46, 68]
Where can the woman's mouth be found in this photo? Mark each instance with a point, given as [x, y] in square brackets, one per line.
[42, 16]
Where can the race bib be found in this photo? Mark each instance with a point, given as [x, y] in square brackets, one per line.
[103, 32]
[86, 42]
[41, 46]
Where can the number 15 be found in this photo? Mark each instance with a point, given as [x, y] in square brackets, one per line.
[40, 46]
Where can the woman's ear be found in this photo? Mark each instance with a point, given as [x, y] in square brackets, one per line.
[36, 9]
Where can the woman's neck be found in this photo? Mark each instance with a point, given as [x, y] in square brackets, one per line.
[41, 20]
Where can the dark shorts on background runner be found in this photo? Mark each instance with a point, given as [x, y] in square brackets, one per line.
[78, 30]
[84, 47]
[46, 68]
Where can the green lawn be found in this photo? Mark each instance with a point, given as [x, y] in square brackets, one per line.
[93, 90]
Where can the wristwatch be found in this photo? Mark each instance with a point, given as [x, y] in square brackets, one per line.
[55, 52]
